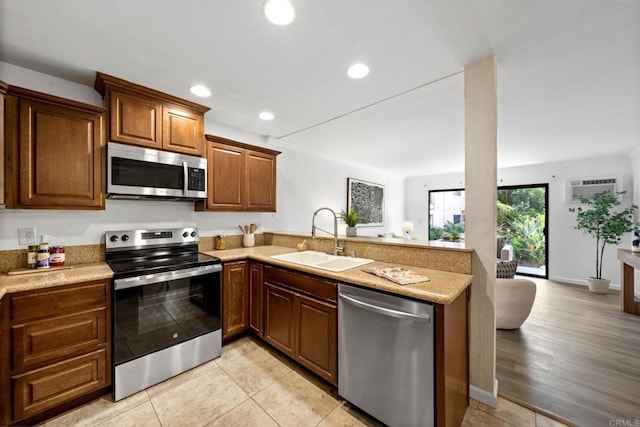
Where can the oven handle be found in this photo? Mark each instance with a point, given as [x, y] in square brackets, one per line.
[132, 282]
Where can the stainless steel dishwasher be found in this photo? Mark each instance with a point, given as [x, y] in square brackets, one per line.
[386, 356]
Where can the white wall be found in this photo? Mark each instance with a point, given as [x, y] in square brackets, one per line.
[571, 254]
[305, 182]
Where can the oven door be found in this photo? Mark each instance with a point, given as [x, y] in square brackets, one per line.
[164, 324]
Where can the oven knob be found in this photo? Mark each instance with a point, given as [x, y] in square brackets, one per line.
[125, 237]
[193, 234]
[113, 238]
[185, 234]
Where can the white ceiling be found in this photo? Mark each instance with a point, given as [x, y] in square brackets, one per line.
[568, 76]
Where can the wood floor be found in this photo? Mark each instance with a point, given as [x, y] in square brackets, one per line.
[577, 356]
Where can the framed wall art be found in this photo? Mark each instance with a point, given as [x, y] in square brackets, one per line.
[367, 199]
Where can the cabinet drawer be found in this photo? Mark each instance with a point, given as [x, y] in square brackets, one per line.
[320, 288]
[55, 301]
[47, 340]
[41, 389]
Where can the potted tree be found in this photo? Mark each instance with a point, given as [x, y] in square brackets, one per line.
[350, 218]
[599, 219]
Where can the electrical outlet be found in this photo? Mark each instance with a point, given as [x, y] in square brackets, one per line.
[27, 236]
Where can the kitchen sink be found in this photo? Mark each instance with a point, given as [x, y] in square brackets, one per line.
[323, 261]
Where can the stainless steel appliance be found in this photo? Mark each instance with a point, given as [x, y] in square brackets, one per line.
[386, 356]
[166, 306]
[138, 172]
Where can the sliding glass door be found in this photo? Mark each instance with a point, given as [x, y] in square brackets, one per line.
[521, 219]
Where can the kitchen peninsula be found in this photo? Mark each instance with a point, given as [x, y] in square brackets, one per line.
[294, 307]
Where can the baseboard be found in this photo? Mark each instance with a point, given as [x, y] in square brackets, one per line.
[615, 286]
[489, 399]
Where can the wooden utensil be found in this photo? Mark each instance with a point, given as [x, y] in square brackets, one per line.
[246, 229]
[241, 229]
[253, 228]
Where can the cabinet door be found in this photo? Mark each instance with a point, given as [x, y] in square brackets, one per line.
[261, 182]
[235, 299]
[279, 321]
[182, 131]
[226, 177]
[256, 289]
[317, 337]
[60, 157]
[135, 120]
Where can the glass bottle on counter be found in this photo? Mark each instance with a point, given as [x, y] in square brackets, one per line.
[32, 254]
[43, 257]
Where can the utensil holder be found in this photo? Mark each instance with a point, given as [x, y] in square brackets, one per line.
[248, 240]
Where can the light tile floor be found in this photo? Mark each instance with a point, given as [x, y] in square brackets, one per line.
[250, 385]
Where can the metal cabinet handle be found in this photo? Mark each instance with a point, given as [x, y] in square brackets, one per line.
[185, 171]
[385, 311]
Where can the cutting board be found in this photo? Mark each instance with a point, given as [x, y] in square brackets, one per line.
[18, 271]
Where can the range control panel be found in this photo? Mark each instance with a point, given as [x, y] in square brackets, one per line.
[128, 239]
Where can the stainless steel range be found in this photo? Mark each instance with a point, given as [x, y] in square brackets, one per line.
[166, 306]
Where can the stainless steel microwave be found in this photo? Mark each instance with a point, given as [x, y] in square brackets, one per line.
[139, 173]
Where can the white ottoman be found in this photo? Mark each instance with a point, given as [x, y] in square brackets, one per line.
[514, 300]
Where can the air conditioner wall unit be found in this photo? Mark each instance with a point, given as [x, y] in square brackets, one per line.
[588, 187]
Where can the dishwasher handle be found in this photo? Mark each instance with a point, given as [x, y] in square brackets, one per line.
[385, 311]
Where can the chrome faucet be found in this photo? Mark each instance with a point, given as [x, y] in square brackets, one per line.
[336, 248]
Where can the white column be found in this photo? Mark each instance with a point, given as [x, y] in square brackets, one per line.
[480, 87]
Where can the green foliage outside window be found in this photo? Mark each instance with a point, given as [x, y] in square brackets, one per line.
[521, 219]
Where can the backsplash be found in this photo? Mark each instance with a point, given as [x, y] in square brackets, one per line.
[79, 254]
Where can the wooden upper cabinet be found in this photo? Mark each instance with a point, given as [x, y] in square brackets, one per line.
[226, 176]
[54, 152]
[183, 131]
[145, 117]
[261, 181]
[135, 120]
[242, 177]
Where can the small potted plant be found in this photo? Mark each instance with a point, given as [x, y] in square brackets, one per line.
[350, 218]
[598, 219]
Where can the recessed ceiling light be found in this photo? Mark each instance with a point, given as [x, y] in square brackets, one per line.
[357, 71]
[265, 115]
[279, 12]
[200, 90]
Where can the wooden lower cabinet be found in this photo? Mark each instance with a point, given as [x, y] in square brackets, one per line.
[296, 313]
[301, 323]
[235, 298]
[256, 291]
[317, 337]
[279, 318]
[55, 349]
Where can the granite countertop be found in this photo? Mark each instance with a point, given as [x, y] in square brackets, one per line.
[442, 288]
[47, 278]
